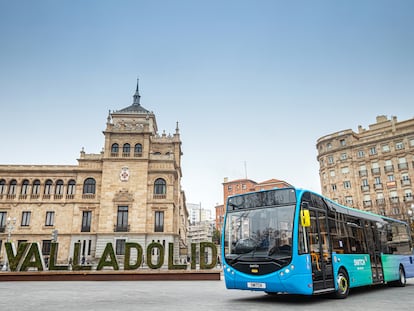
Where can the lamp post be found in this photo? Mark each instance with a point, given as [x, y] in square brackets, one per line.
[10, 224]
[410, 213]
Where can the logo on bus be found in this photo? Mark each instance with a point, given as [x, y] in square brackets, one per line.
[360, 263]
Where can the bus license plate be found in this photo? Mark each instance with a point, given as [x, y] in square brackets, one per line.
[256, 285]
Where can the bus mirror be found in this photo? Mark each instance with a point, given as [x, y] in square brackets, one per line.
[305, 218]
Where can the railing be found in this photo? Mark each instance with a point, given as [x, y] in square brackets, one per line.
[365, 187]
[86, 229]
[403, 166]
[378, 186]
[160, 196]
[381, 201]
[367, 203]
[88, 196]
[376, 171]
[121, 228]
[394, 200]
[389, 168]
[391, 184]
[406, 182]
[363, 173]
[137, 154]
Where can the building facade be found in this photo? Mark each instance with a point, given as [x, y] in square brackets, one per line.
[130, 192]
[370, 170]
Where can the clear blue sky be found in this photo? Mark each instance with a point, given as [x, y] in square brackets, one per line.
[255, 82]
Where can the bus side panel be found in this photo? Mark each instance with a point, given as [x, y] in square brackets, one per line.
[408, 263]
[391, 265]
[358, 267]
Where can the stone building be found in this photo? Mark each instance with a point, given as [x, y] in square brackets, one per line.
[371, 170]
[130, 192]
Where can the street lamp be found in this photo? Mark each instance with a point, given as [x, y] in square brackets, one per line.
[10, 224]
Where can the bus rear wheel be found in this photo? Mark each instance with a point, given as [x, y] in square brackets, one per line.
[401, 279]
[342, 282]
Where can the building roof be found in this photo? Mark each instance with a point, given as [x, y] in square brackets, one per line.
[136, 107]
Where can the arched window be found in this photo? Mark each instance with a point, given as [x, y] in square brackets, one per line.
[138, 149]
[160, 186]
[48, 187]
[114, 150]
[126, 149]
[59, 187]
[71, 187]
[12, 186]
[25, 187]
[89, 186]
[2, 186]
[36, 187]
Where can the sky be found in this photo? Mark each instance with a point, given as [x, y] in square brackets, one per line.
[252, 83]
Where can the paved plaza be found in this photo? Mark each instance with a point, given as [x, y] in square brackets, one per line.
[185, 295]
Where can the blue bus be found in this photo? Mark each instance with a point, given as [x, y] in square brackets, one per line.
[295, 241]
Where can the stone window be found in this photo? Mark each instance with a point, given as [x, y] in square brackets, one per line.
[89, 186]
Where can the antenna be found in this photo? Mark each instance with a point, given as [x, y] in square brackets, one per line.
[245, 169]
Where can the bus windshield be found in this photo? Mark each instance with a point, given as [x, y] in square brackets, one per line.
[261, 231]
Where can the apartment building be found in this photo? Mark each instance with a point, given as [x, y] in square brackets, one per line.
[372, 169]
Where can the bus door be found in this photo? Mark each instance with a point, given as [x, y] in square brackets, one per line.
[374, 249]
[320, 251]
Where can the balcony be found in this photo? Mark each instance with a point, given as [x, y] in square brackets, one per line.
[365, 188]
[403, 166]
[160, 196]
[376, 171]
[389, 168]
[381, 202]
[363, 173]
[391, 184]
[367, 203]
[88, 196]
[121, 228]
[86, 228]
[394, 200]
[2, 229]
[408, 199]
[405, 182]
[377, 186]
[138, 154]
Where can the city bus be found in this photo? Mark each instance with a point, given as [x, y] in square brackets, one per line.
[295, 241]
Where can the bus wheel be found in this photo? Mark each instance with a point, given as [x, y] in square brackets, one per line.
[342, 281]
[401, 280]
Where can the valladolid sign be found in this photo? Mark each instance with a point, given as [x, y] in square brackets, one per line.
[28, 255]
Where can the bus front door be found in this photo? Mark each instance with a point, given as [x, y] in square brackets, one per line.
[320, 251]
